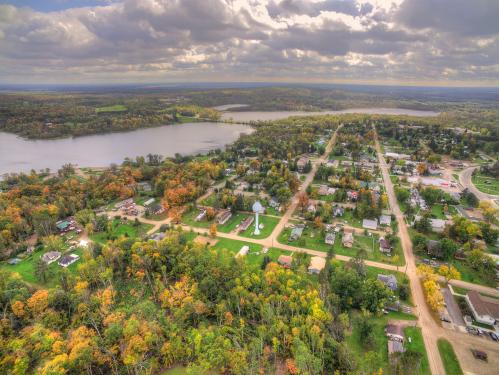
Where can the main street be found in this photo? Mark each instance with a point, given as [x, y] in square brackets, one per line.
[431, 330]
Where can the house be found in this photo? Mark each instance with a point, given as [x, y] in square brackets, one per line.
[384, 246]
[317, 264]
[347, 240]
[485, 310]
[126, 202]
[338, 211]
[157, 236]
[148, 202]
[245, 224]
[302, 163]
[385, 220]
[156, 209]
[322, 190]
[63, 225]
[274, 204]
[201, 215]
[51, 256]
[370, 224]
[394, 332]
[330, 238]
[144, 186]
[395, 347]
[352, 195]
[296, 232]
[68, 260]
[223, 216]
[397, 156]
[311, 208]
[438, 225]
[243, 252]
[285, 260]
[434, 249]
[389, 280]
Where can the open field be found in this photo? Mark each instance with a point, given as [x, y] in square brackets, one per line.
[111, 108]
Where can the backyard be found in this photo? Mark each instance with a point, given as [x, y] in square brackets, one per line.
[269, 223]
[255, 255]
[119, 228]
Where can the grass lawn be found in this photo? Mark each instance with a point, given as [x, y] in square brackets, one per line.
[209, 200]
[120, 229]
[159, 217]
[26, 268]
[231, 224]
[313, 239]
[379, 347]
[269, 224]
[111, 108]
[470, 275]
[451, 363]
[417, 345]
[255, 255]
[437, 210]
[189, 219]
[486, 184]
[272, 211]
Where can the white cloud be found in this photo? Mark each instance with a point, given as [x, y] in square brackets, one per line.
[235, 39]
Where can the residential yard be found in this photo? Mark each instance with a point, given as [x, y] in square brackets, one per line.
[119, 228]
[229, 226]
[232, 223]
[255, 255]
[26, 268]
[189, 219]
[312, 238]
[209, 200]
[437, 210]
[486, 184]
[451, 363]
[416, 344]
[372, 357]
[269, 223]
[470, 275]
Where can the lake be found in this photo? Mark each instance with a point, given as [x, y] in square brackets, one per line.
[101, 150]
[247, 116]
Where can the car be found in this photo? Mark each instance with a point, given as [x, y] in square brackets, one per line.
[493, 336]
[445, 318]
[472, 330]
[478, 354]
[480, 331]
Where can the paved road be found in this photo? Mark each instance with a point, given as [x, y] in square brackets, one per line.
[465, 181]
[452, 308]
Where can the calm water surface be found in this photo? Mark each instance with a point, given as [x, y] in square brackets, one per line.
[21, 155]
[247, 116]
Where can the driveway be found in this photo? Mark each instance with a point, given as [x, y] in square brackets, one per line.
[452, 308]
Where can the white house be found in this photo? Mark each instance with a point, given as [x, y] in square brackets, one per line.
[485, 310]
[370, 224]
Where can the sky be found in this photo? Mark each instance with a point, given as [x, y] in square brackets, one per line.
[409, 42]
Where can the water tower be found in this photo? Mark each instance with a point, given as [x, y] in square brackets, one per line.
[257, 209]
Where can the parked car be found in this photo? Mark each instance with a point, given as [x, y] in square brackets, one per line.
[472, 330]
[445, 318]
[478, 354]
[493, 336]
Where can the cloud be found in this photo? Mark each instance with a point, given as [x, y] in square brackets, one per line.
[357, 40]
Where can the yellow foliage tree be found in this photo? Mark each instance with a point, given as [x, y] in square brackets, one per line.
[39, 301]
